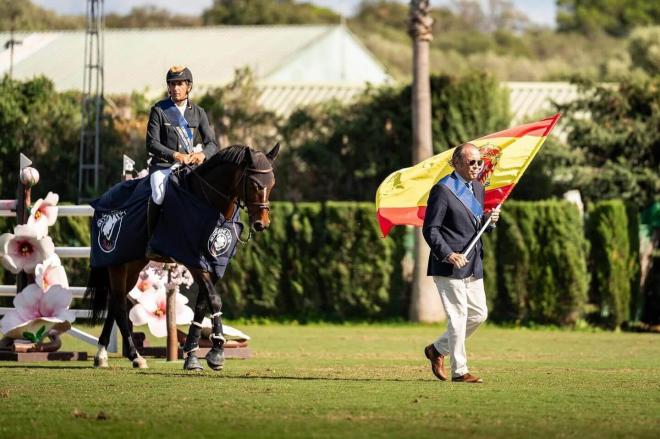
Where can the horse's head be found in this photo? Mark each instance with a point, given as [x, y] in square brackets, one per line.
[257, 182]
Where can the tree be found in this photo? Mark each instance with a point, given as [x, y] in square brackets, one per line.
[247, 12]
[236, 115]
[614, 17]
[344, 152]
[620, 139]
[644, 49]
[45, 126]
[425, 304]
[150, 17]
[33, 17]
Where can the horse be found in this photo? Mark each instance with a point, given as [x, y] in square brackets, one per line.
[236, 177]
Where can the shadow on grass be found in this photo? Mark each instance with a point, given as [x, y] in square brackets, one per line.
[208, 374]
[279, 377]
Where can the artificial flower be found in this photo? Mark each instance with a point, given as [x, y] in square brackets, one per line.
[33, 309]
[24, 249]
[44, 213]
[151, 310]
[50, 272]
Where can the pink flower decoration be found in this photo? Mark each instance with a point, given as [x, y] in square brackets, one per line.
[151, 310]
[44, 213]
[23, 250]
[50, 272]
[149, 280]
[33, 308]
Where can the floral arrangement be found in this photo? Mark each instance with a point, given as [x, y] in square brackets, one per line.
[42, 308]
[156, 281]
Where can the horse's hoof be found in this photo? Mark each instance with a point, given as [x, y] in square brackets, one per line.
[215, 358]
[140, 363]
[101, 362]
[192, 363]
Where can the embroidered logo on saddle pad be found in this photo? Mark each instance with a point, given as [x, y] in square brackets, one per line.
[109, 226]
[219, 241]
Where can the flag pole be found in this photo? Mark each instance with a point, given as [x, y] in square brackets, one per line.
[481, 232]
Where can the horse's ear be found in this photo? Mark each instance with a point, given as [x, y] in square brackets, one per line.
[249, 157]
[273, 152]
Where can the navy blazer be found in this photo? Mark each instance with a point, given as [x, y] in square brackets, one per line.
[449, 226]
[163, 141]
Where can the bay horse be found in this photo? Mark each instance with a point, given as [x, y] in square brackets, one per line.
[235, 177]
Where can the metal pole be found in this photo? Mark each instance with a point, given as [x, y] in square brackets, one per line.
[481, 232]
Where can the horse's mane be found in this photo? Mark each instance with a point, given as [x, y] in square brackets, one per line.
[234, 154]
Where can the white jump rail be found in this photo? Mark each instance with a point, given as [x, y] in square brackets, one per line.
[7, 209]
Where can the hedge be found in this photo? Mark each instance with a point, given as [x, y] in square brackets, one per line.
[326, 261]
[541, 263]
[613, 261]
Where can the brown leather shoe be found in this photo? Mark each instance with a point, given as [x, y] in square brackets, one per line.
[467, 378]
[437, 362]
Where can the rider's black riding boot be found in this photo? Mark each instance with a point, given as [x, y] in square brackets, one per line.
[191, 346]
[215, 358]
[153, 213]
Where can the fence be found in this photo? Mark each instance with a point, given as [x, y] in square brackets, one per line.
[18, 208]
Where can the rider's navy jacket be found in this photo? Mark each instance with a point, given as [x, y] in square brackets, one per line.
[162, 138]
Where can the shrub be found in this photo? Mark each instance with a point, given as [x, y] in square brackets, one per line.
[611, 260]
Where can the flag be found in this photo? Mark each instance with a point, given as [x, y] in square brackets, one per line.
[401, 198]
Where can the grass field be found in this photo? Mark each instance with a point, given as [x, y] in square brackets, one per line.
[353, 381]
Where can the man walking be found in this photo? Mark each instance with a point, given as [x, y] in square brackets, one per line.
[454, 214]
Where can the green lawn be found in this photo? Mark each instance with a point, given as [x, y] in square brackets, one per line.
[352, 381]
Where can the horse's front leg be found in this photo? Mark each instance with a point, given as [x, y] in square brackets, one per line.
[207, 294]
[192, 340]
[215, 358]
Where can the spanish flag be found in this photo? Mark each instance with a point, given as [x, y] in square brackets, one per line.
[401, 198]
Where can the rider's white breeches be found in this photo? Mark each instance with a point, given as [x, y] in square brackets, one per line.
[159, 184]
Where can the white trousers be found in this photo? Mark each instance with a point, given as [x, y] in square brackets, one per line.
[465, 304]
[158, 182]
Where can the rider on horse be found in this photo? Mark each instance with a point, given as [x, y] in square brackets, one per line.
[174, 124]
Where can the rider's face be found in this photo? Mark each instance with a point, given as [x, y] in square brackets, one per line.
[178, 90]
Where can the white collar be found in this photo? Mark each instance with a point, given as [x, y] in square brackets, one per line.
[179, 106]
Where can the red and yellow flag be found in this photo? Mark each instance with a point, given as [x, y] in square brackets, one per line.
[401, 198]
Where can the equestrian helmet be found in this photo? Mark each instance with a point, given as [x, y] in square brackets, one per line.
[179, 73]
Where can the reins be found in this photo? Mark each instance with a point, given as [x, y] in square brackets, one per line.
[245, 175]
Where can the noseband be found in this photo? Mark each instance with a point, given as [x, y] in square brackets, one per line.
[245, 176]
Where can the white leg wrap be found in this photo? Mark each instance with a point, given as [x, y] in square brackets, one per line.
[217, 337]
[196, 348]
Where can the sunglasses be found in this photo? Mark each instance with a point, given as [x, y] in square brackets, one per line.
[475, 162]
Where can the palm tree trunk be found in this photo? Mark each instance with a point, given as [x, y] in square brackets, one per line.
[425, 305]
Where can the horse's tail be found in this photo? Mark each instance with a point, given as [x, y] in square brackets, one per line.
[97, 293]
